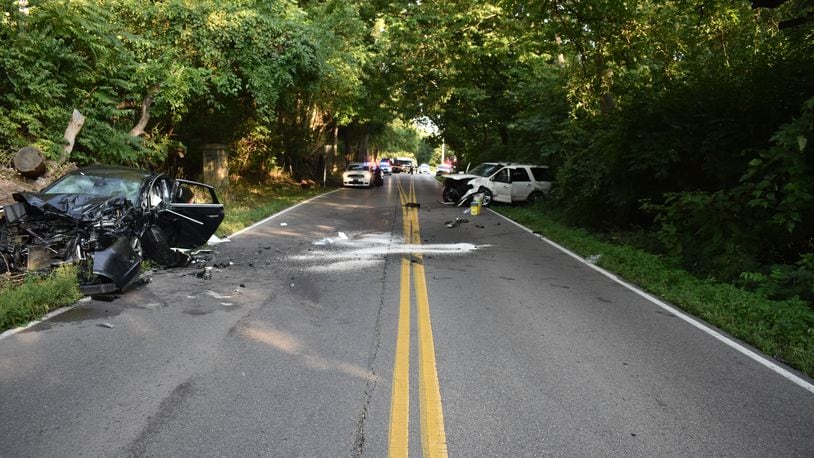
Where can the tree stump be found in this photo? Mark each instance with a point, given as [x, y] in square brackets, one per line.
[29, 162]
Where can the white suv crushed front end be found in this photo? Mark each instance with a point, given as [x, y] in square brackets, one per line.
[501, 182]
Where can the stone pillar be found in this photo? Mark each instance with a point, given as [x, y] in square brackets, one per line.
[216, 165]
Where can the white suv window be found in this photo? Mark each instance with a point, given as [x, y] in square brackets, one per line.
[520, 175]
[503, 176]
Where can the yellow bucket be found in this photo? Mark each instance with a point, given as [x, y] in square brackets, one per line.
[474, 207]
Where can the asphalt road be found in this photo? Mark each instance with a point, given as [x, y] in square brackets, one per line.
[353, 325]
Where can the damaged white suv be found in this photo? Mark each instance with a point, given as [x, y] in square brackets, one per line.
[501, 182]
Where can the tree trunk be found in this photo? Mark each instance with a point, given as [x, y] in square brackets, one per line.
[29, 162]
[607, 102]
[138, 129]
[363, 150]
[325, 161]
[560, 56]
[346, 141]
[335, 148]
[74, 126]
[503, 131]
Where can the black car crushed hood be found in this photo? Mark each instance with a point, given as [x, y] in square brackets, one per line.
[80, 207]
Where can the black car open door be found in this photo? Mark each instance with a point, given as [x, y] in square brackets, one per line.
[191, 216]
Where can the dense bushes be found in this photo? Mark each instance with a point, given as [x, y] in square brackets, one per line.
[761, 229]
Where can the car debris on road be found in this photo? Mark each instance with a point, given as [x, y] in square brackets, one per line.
[456, 223]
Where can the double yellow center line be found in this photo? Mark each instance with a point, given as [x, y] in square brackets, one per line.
[433, 437]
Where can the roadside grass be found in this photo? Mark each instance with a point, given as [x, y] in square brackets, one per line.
[782, 329]
[244, 204]
[36, 296]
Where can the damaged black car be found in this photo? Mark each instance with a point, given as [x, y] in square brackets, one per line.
[107, 219]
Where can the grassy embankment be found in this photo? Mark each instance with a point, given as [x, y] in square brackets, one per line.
[784, 330]
[23, 302]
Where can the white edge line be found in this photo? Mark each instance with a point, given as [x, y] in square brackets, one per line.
[61, 310]
[46, 317]
[280, 213]
[759, 358]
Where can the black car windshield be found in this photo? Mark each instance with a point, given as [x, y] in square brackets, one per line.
[97, 185]
[485, 169]
[357, 167]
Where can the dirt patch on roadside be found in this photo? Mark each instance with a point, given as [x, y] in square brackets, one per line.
[11, 181]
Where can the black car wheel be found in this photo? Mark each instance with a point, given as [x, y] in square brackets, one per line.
[487, 197]
[535, 196]
[450, 194]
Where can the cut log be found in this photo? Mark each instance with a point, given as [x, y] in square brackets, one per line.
[74, 126]
[29, 162]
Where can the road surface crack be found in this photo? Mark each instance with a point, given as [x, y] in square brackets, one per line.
[372, 378]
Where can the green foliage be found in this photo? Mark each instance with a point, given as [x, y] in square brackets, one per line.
[63, 56]
[765, 218]
[779, 178]
[783, 281]
[205, 72]
[706, 230]
[397, 139]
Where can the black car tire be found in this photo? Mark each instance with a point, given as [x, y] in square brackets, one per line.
[450, 194]
[535, 196]
[487, 197]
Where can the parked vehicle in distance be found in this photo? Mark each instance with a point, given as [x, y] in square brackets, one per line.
[358, 174]
[403, 164]
[424, 169]
[501, 182]
[443, 169]
[384, 165]
[106, 219]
